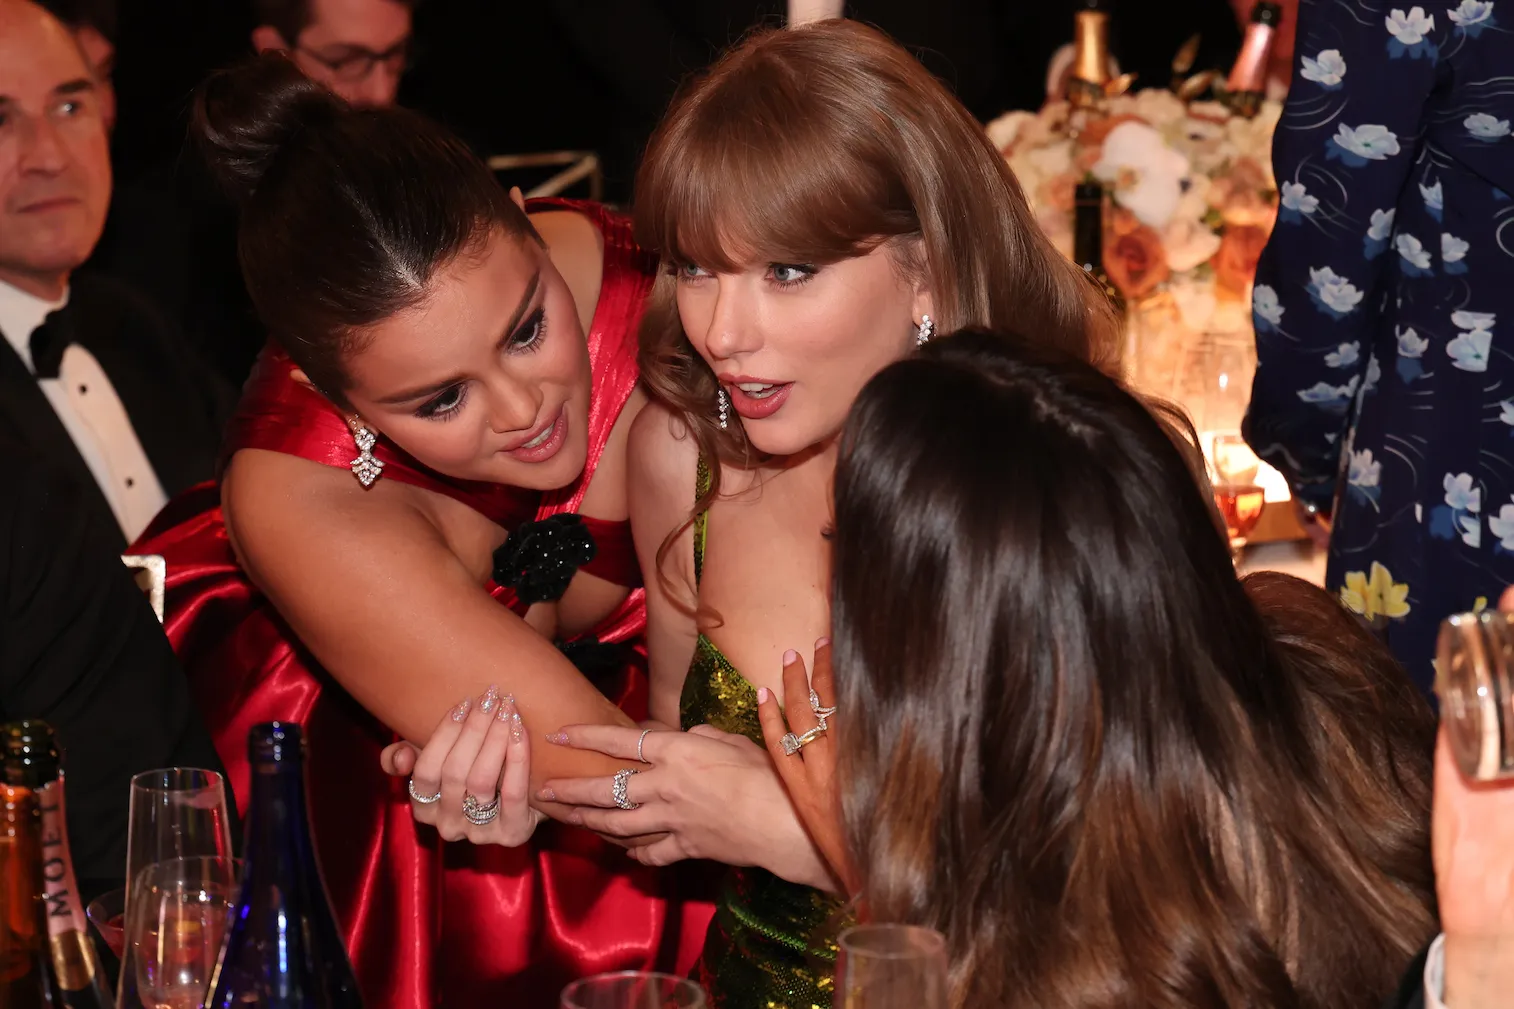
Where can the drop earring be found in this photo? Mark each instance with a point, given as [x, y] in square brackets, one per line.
[365, 467]
[724, 402]
[925, 331]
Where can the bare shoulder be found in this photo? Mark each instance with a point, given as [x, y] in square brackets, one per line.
[606, 496]
[577, 249]
[663, 457]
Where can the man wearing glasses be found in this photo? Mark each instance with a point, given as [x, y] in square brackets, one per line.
[357, 48]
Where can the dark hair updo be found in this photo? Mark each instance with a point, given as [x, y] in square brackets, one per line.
[347, 213]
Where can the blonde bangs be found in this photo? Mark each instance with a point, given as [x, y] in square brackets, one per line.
[754, 175]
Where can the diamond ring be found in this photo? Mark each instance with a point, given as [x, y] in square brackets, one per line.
[618, 789]
[792, 744]
[640, 742]
[480, 814]
[424, 800]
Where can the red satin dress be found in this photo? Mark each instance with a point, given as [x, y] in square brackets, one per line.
[429, 924]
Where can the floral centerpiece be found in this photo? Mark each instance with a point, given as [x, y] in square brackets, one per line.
[1192, 203]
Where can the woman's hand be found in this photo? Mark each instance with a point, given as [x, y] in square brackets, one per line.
[809, 772]
[479, 754]
[714, 794]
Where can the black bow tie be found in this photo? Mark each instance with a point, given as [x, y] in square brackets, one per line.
[48, 343]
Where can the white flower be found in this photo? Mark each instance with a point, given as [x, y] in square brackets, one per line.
[1471, 12]
[1369, 141]
[1433, 196]
[1413, 251]
[1453, 249]
[1473, 320]
[1507, 412]
[1364, 471]
[1502, 526]
[1147, 175]
[1374, 374]
[1265, 304]
[1195, 302]
[1411, 344]
[1336, 292]
[1158, 106]
[1344, 356]
[1460, 494]
[1188, 243]
[1469, 351]
[1411, 28]
[1486, 127]
[1382, 224]
[1296, 197]
[1324, 392]
[1327, 68]
[1004, 131]
[1471, 530]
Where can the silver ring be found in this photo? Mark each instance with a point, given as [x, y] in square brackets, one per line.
[618, 790]
[639, 742]
[821, 714]
[792, 744]
[424, 800]
[480, 814]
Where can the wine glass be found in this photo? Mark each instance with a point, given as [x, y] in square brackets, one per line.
[107, 913]
[891, 967]
[633, 990]
[182, 912]
[1475, 680]
[176, 812]
[1240, 500]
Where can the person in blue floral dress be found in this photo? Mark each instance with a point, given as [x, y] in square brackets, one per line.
[1385, 381]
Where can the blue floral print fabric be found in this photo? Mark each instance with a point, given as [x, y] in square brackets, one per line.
[1384, 306]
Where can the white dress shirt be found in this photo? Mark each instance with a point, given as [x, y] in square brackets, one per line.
[801, 11]
[91, 413]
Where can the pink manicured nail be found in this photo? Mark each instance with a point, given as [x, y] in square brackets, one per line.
[822, 643]
[790, 657]
[559, 738]
[490, 700]
[547, 795]
[461, 711]
[506, 708]
[762, 695]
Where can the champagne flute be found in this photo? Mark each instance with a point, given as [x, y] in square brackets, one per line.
[1474, 676]
[176, 812]
[182, 912]
[633, 990]
[891, 967]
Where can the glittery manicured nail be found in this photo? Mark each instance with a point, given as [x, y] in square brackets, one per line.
[547, 795]
[559, 738]
[517, 728]
[506, 708]
[461, 711]
[490, 700]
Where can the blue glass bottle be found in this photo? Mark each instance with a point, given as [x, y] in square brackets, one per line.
[283, 949]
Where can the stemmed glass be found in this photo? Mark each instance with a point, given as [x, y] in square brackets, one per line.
[183, 908]
[176, 813]
[633, 990]
[891, 967]
[1234, 467]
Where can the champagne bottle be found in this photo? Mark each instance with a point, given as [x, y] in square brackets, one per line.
[1247, 84]
[1090, 64]
[1088, 238]
[283, 949]
[31, 762]
[27, 980]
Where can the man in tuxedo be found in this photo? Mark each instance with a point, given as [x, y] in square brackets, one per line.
[90, 376]
[81, 649]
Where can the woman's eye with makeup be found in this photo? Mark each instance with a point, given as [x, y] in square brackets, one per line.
[444, 404]
[530, 333]
[791, 274]
[690, 271]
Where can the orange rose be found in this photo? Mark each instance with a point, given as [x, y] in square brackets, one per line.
[1235, 262]
[1096, 132]
[1135, 262]
[1058, 192]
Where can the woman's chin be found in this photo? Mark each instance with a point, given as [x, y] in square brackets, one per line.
[565, 467]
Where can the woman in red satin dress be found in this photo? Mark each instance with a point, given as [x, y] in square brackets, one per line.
[491, 356]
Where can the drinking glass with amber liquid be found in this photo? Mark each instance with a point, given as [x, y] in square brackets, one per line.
[1236, 493]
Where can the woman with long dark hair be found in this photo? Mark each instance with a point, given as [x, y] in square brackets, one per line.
[1069, 736]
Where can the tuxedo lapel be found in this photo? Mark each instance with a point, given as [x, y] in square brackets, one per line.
[27, 420]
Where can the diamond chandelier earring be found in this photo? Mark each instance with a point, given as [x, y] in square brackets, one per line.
[925, 331]
[724, 402]
[365, 467]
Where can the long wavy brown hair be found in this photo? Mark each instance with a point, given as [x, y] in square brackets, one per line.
[819, 143]
[1110, 771]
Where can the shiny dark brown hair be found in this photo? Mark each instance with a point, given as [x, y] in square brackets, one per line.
[347, 213]
[1110, 771]
[819, 143]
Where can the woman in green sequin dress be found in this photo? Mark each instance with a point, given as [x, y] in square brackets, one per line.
[820, 203]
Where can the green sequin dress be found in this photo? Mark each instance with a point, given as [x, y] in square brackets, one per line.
[772, 942]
